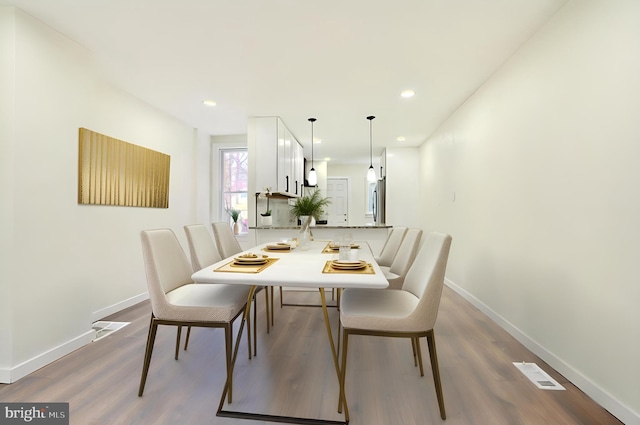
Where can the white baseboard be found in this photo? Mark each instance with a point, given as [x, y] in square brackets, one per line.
[603, 398]
[107, 311]
[8, 376]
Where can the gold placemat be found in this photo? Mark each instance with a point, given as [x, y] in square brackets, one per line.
[265, 249]
[235, 268]
[368, 269]
[329, 250]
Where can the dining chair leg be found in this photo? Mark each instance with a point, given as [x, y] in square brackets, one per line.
[248, 319]
[178, 333]
[186, 341]
[281, 297]
[228, 350]
[431, 342]
[255, 327]
[151, 338]
[267, 307]
[339, 332]
[413, 348]
[272, 322]
[419, 351]
[341, 398]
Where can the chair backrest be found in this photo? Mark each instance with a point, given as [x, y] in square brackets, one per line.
[390, 248]
[225, 240]
[166, 266]
[425, 278]
[202, 248]
[407, 252]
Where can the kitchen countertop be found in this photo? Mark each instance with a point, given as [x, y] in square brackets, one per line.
[319, 226]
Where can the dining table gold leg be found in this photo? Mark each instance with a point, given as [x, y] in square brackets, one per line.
[341, 399]
[227, 390]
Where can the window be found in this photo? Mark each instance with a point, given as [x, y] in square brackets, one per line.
[234, 169]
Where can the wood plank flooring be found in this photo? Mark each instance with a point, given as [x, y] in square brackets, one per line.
[293, 375]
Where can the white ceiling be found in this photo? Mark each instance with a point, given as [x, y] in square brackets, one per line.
[336, 60]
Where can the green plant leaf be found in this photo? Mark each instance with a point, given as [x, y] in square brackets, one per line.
[310, 205]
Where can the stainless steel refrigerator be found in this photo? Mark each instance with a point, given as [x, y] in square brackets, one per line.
[379, 202]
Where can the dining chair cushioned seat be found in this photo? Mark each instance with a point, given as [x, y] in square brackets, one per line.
[206, 303]
[380, 310]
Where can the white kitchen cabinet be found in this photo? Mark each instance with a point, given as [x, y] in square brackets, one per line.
[278, 161]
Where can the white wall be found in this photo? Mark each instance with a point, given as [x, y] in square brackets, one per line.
[73, 263]
[403, 186]
[544, 161]
[7, 118]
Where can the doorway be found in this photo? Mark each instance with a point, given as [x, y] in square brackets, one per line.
[338, 193]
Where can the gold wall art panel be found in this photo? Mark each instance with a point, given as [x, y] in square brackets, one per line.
[113, 172]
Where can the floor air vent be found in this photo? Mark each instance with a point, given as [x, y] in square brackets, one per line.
[539, 377]
[107, 328]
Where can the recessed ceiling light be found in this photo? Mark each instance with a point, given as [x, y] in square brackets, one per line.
[327, 158]
[316, 140]
[407, 94]
[401, 138]
[209, 102]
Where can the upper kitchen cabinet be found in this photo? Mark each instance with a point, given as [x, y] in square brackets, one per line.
[278, 157]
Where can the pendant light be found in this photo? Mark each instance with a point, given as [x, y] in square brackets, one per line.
[313, 177]
[371, 174]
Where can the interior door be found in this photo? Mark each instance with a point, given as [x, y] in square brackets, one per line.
[338, 193]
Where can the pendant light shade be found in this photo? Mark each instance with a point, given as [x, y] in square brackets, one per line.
[371, 174]
[312, 179]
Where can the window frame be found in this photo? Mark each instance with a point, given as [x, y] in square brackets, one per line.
[222, 191]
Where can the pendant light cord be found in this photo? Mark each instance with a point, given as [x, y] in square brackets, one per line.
[370, 118]
[312, 121]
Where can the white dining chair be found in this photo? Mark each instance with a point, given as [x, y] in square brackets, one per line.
[391, 245]
[409, 312]
[226, 241]
[404, 258]
[202, 248]
[177, 301]
[203, 253]
[229, 246]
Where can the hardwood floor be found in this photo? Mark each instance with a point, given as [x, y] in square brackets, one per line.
[293, 375]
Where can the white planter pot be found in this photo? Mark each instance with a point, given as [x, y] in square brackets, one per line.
[266, 220]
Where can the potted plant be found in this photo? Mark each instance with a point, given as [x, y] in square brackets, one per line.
[309, 207]
[235, 215]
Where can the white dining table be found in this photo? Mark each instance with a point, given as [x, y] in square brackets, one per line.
[301, 267]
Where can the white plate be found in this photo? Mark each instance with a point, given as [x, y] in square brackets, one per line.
[349, 265]
[250, 260]
[255, 262]
[279, 246]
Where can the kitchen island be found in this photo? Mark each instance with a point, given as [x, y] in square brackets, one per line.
[374, 235]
